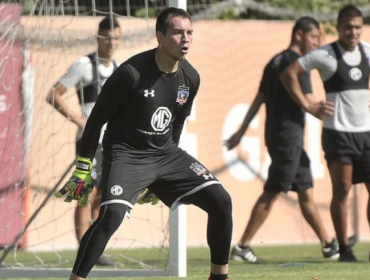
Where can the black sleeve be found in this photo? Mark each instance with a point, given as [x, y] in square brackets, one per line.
[115, 91]
[178, 123]
[305, 81]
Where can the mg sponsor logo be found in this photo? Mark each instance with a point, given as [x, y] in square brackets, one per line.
[161, 119]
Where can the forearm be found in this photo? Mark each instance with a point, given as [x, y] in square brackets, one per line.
[91, 135]
[57, 100]
[290, 78]
[256, 104]
[178, 126]
[297, 95]
[177, 133]
[74, 116]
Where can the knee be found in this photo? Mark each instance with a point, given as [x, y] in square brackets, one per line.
[269, 196]
[227, 204]
[223, 203]
[341, 191]
[111, 217]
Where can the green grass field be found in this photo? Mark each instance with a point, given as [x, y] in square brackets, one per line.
[282, 263]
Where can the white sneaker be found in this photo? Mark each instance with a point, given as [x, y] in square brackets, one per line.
[246, 254]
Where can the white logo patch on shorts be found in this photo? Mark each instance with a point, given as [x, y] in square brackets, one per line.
[116, 190]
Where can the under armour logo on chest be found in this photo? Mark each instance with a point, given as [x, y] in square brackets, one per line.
[148, 93]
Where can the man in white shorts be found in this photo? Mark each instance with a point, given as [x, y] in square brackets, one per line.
[87, 75]
[344, 69]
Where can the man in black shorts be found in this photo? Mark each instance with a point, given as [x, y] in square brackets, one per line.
[145, 103]
[290, 166]
[344, 69]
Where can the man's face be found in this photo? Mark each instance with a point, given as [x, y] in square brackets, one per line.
[310, 40]
[108, 41]
[178, 38]
[349, 32]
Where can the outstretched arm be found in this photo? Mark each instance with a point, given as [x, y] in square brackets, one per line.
[234, 140]
[290, 80]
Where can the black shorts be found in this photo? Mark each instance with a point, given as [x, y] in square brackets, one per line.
[171, 176]
[350, 148]
[289, 170]
[97, 162]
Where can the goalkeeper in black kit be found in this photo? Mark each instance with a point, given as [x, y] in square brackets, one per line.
[145, 103]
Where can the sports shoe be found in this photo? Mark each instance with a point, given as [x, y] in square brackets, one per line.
[347, 256]
[332, 250]
[246, 254]
[104, 261]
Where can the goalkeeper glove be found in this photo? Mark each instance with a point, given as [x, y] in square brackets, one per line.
[80, 184]
[147, 196]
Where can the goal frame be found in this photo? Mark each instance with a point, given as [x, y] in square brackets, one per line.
[177, 259]
[176, 266]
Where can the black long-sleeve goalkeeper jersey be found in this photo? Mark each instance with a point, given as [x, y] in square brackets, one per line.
[144, 107]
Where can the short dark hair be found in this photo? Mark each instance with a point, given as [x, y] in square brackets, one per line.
[305, 24]
[349, 10]
[108, 23]
[163, 18]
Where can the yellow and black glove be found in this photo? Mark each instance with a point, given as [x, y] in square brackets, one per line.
[80, 184]
[147, 196]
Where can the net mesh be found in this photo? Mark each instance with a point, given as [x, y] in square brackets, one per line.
[38, 44]
[41, 39]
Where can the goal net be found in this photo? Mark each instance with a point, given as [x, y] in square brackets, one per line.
[39, 41]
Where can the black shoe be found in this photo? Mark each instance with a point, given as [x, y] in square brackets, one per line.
[332, 250]
[245, 254]
[347, 256]
[104, 261]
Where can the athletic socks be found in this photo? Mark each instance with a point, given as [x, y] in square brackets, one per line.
[242, 247]
[218, 277]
